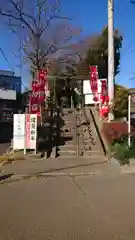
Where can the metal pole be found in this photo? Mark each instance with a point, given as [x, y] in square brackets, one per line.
[129, 120]
[25, 135]
[111, 56]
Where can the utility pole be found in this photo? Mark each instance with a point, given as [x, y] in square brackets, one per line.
[111, 57]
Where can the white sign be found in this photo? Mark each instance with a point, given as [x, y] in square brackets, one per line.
[31, 131]
[88, 99]
[87, 87]
[25, 131]
[18, 131]
[7, 94]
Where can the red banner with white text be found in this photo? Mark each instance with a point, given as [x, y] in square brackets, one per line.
[104, 92]
[94, 82]
[38, 95]
[104, 98]
[34, 106]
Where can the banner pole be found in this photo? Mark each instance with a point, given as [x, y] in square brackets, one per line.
[25, 136]
[36, 137]
[129, 120]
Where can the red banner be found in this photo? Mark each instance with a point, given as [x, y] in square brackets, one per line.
[104, 92]
[34, 99]
[34, 106]
[104, 99]
[35, 87]
[104, 111]
[94, 82]
[38, 91]
[42, 76]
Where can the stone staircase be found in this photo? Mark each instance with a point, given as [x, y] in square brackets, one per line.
[67, 140]
[78, 137]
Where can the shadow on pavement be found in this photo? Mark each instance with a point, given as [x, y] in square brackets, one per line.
[5, 177]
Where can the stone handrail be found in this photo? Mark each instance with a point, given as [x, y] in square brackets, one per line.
[98, 126]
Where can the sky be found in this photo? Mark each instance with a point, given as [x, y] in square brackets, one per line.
[91, 17]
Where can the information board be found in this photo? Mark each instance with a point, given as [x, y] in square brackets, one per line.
[31, 131]
[18, 131]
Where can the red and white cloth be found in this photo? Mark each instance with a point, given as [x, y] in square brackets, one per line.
[94, 82]
[39, 92]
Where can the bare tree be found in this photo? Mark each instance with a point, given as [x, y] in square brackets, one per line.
[43, 30]
[72, 56]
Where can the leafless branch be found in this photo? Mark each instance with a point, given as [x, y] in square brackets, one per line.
[41, 42]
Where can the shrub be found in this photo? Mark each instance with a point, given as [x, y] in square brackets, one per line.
[121, 151]
[121, 140]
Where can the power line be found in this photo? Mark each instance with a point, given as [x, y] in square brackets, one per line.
[3, 54]
[10, 64]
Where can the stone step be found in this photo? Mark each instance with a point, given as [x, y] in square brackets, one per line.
[69, 127]
[68, 134]
[67, 147]
[67, 110]
[93, 153]
[72, 123]
[69, 153]
[69, 116]
[92, 159]
[69, 120]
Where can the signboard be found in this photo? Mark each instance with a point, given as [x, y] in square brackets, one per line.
[31, 131]
[87, 88]
[88, 99]
[24, 131]
[18, 131]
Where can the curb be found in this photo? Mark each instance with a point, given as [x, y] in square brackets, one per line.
[127, 170]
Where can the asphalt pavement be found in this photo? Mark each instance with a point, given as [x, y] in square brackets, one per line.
[4, 147]
[63, 208]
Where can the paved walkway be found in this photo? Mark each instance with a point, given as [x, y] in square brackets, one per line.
[27, 169]
[57, 167]
[63, 208]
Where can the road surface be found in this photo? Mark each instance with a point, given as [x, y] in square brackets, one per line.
[66, 208]
[3, 147]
